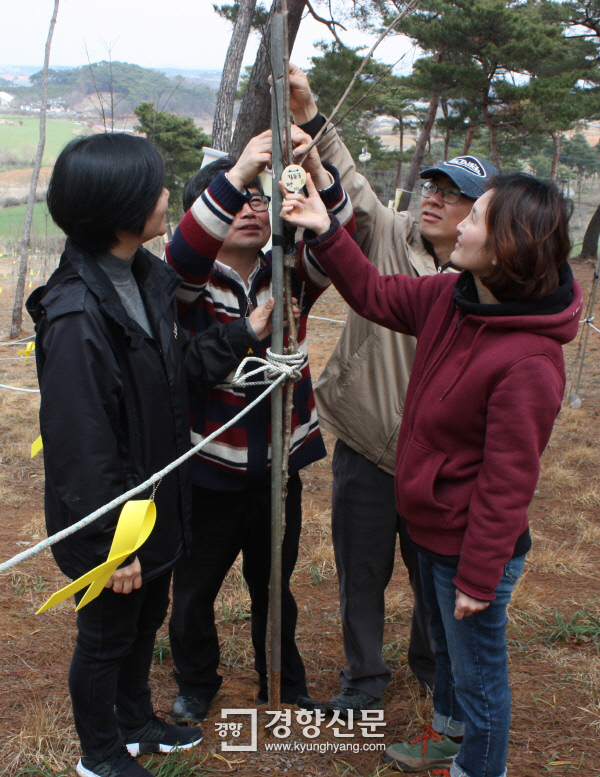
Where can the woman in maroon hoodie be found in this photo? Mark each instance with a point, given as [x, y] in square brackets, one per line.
[486, 386]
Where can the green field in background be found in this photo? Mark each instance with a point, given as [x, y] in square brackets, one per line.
[22, 140]
[12, 221]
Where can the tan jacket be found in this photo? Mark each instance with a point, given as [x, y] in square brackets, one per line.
[360, 394]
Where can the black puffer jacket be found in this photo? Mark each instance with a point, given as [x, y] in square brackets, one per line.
[114, 404]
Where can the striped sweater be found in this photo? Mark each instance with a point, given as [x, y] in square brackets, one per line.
[241, 457]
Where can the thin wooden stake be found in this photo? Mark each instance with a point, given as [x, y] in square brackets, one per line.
[290, 257]
[274, 628]
[572, 394]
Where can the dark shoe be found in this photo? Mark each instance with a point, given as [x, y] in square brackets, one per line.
[120, 765]
[352, 699]
[189, 710]
[301, 701]
[160, 737]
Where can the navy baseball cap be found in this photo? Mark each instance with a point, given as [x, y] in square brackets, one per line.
[470, 173]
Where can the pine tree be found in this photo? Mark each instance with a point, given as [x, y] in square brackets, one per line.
[179, 141]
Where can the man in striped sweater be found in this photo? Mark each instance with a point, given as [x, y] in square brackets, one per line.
[217, 249]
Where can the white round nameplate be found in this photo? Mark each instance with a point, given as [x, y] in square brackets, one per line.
[294, 178]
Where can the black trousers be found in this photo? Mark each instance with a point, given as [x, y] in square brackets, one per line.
[365, 524]
[108, 679]
[225, 523]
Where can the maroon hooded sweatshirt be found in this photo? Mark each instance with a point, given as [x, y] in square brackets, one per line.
[485, 389]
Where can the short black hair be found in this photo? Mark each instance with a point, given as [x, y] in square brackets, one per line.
[206, 175]
[103, 184]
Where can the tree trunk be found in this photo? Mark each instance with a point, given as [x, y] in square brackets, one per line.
[419, 152]
[493, 137]
[556, 157]
[221, 134]
[468, 140]
[592, 234]
[17, 313]
[255, 111]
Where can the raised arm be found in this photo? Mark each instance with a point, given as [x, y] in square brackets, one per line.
[310, 278]
[202, 231]
[393, 301]
[373, 219]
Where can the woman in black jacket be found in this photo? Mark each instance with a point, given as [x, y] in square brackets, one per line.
[112, 364]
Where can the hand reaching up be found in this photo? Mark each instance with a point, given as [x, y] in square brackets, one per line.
[312, 164]
[253, 160]
[305, 212]
[302, 102]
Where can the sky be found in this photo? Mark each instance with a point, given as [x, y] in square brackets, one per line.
[184, 34]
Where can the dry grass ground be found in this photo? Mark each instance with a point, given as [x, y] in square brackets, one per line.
[553, 633]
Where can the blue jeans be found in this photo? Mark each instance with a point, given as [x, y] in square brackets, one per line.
[471, 696]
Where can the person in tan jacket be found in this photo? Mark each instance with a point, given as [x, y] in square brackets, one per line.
[360, 397]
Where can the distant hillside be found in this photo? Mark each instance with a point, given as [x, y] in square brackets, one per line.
[211, 78]
[131, 85]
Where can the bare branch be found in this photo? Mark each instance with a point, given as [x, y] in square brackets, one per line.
[331, 24]
[408, 9]
[100, 109]
[367, 93]
[168, 100]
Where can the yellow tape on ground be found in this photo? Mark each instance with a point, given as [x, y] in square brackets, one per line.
[133, 529]
[36, 446]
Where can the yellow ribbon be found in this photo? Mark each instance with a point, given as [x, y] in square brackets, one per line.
[36, 446]
[133, 529]
[28, 351]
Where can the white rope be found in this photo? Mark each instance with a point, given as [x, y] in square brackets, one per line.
[15, 358]
[288, 364]
[588, 321]
[277, 364]
[333, 320]
[14, 388]
[19, 342]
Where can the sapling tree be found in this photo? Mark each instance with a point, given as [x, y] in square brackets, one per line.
[17, 313]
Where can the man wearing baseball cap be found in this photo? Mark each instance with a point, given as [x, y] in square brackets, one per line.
[360, 397]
